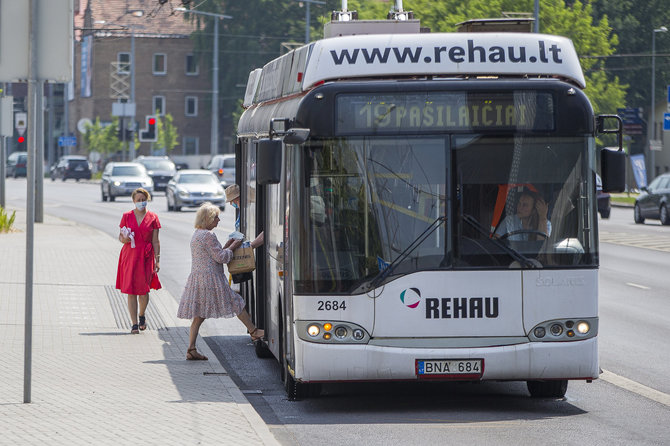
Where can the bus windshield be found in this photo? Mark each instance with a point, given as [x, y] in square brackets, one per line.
[506, 202]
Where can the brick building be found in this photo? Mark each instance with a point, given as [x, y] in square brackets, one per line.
[170, 76]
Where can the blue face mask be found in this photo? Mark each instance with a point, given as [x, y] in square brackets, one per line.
[140, 205]
[234, 205]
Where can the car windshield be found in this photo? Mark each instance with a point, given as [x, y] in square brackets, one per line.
[127, 171]
[196, 178]
[158, 165]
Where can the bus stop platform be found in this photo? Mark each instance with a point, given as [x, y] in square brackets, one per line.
[92, 382]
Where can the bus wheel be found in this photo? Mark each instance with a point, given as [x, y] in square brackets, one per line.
[548, 389]
[262, 350]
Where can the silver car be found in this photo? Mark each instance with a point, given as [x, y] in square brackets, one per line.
[191, 188]
[121, 179]
[223, 166]
[161, 169]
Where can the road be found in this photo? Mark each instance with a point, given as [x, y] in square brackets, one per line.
[630, 404]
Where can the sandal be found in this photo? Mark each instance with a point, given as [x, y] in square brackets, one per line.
[143, 323]
[257, 334]
[193, 355]
[134, 329]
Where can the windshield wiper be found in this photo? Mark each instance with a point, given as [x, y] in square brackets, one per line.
[516, 255]
[381, 275]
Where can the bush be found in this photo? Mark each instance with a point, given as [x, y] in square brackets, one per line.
[6, 221]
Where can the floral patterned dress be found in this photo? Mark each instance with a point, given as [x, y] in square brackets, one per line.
[207, 293]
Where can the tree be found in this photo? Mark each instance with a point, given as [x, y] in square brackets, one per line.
[634, 22]
[103, 139]
[166, 133]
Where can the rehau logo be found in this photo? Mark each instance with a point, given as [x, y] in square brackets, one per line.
[411, 297]
[462, 308]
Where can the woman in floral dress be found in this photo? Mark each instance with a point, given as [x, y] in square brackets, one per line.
[207, 293]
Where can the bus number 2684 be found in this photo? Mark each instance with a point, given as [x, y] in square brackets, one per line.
[327, 305]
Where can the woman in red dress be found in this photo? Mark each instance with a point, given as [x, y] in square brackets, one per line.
[139, 260]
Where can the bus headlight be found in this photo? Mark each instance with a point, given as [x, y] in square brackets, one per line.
[341, 332]
[556, 329]
[583, 327]
[564, 330]
[331, 332]
[358, 334]
[313, 330]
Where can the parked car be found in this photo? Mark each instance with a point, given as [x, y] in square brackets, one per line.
[16, 164]
[161, 169]
[223, 166]
[71, 166]
[192, 187]
[121, 179]
[604, 204]
[654, 201]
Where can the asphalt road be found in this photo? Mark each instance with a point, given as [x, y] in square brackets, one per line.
[630, 404]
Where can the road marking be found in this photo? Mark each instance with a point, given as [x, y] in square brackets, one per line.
[635, 387]
[657, 242]
[635, 285]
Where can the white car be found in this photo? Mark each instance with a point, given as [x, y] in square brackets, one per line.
[121, 179]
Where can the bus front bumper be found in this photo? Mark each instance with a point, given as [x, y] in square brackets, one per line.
[528, 361]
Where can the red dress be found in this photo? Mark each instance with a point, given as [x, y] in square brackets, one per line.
[135, 274]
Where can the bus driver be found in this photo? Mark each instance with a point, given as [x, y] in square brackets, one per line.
[530, 220]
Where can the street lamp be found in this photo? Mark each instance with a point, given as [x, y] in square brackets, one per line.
[652, 111]
[307, 2]
[214, 143]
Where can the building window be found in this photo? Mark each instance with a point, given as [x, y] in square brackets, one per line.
[191, 65]
[160, 64]
[190, 145]
[191, 106]
[123, 63]
[158, 105]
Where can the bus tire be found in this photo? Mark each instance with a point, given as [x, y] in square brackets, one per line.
[548, 389]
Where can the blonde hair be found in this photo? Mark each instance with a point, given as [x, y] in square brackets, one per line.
[141, 190]
[205, 215]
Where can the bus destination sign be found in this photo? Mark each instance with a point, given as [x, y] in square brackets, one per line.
[444, 111]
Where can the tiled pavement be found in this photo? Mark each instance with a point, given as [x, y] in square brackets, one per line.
[92, 382]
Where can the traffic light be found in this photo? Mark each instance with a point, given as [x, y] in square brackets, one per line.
[21, 143]
[149, 134]
[123, 129]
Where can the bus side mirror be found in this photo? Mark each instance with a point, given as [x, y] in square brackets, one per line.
[613, 170]
[296, 136]
[268, 161]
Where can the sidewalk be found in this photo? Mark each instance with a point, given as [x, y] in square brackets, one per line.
[93, 382]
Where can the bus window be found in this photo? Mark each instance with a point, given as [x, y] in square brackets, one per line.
[369, 200]
[553, 170]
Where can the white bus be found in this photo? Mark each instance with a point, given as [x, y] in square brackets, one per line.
[387, 172]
